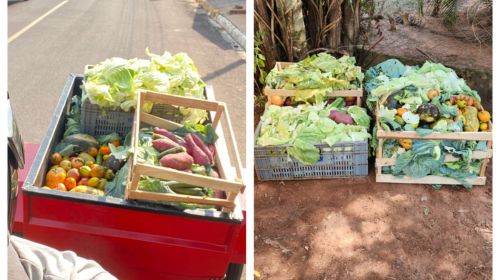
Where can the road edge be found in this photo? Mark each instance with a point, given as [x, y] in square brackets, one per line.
[224, 22]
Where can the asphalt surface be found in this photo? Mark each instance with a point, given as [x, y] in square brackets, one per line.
[87, 32]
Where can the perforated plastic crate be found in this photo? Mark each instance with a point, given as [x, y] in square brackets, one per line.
[97, 122]
[347, 159]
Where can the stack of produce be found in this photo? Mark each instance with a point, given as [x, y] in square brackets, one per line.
[303, 127]
[315, 76]
[96, 165]
[426, 99]
[81, 164]
[112, 83]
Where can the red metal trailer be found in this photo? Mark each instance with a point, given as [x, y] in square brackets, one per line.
[131, 239]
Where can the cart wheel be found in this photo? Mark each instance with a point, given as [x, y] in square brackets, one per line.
[235, 271]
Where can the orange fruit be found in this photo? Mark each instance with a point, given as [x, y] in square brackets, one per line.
[277, 100]
[85, 171]
[55, 158]
[73, 173]
[93, 182]
[61, 187]
[105, 150]
[401, 111]
[116, 143]
[97, 171]
[484, 116]
[83, 182]
[55, 176]
[65, 164]
[77, 162]
[70, 183]
[93, 151]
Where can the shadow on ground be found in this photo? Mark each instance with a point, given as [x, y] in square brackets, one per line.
[202, 25]
[359, 229]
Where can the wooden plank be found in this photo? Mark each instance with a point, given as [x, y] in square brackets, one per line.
[231, 198]
[188, 178]
[475, 155]
[482, 172]
[157, 121]
[179, 198]
[379, 155]
[428, 180]
[180, 101]
[479, 136]
[336, 93]
[217, 116]
[233, 154]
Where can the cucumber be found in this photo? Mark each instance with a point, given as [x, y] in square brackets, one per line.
[196, 191]
[98, 158]
[159, 136]
[174, 150]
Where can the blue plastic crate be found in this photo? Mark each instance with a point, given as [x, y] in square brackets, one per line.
[346, 159]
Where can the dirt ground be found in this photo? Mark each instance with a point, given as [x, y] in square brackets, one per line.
[359, 229]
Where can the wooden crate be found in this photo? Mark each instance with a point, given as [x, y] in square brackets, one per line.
[430, 179]
[358, 93]
[227, 182]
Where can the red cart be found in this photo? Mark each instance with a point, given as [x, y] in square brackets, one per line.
[131, 239]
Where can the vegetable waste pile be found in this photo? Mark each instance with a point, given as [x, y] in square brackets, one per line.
[315, 76]
[112, 83]
[83, 163]
[303, 127]
[430, 98]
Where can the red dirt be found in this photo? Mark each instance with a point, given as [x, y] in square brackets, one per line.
[359, 229]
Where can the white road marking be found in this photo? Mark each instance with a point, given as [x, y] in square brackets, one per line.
[33, 23]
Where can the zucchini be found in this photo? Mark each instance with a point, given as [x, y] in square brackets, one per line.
[174, 150]
[159, 136]
[188, 190]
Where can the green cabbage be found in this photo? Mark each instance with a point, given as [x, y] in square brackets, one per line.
[317, 75]
[303, 127]
[112, 83]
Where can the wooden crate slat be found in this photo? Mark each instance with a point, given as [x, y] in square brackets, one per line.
[478, 136]
[157, 121]
[183, 101]
[427, 180]
[188, 178]
[137, 194]
[291, 92]
[448, 158]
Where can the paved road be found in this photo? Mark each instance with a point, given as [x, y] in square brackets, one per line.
[86, 32]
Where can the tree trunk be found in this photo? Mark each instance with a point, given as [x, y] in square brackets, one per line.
[266, 27]
[350, 24]
[335, 19]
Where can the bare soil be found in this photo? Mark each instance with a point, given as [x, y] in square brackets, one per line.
[359, 229]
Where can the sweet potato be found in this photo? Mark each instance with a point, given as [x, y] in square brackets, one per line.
[211, 147]
[198, 154]
[179, 161]
[214, 174]
[204, 148]
[164, 144]
[340, 117]
[166, 133]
